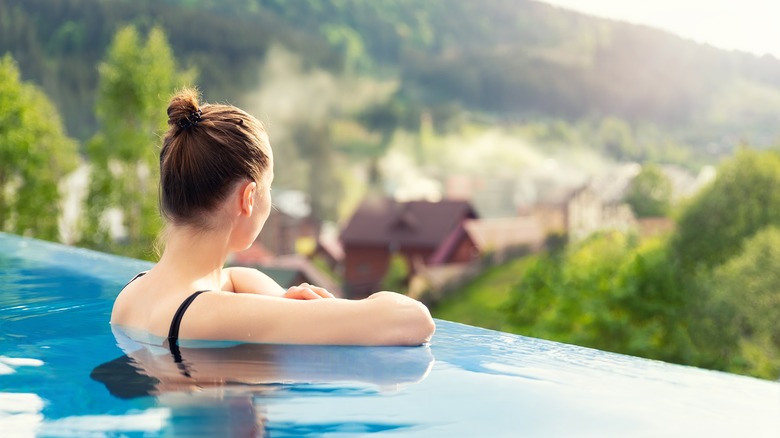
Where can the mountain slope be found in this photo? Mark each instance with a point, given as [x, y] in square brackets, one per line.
[513, 60]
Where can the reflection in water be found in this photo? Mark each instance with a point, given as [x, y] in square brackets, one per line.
[214, 391]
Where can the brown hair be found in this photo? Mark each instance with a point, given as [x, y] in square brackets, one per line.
[206, 150]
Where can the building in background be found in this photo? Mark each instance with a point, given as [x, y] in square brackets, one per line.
[289, 222]
[423, 232]
[287, 270]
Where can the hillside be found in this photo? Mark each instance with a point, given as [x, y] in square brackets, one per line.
[504, 61]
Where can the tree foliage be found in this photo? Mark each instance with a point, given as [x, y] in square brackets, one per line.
[608, 292]
[707, 296]
[324, 188]
[136, 79]
[744, 306]
[615, 137]
[397, 276]
[35, 154]
[650, 192]
[742, 200]
[448, 53]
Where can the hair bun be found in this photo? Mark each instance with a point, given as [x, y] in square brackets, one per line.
[184, 110]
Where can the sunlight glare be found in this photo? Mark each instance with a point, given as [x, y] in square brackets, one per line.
[745, 25]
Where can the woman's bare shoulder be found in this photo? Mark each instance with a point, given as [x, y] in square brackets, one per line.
[123, 303]
[140, 304]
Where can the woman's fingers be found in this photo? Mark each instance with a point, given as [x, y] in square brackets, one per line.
[321, 291]
[305, 291]
[300, 293]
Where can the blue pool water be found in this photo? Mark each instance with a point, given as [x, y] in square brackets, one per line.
[63, 374]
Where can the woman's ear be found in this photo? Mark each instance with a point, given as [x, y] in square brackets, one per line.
[248, 198]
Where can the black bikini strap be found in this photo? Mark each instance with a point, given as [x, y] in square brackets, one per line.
[173, 333]
[138, 275]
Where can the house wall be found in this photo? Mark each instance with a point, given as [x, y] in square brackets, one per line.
[416, 257]
[281, 232]
[583, 214]
[619, 217]
[465, 252]
[551, 217]
[364, 268]
[586, 214]
[278, 234]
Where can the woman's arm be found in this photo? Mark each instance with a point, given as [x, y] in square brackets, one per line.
[248, 280]
[385, 318]
[252, 281]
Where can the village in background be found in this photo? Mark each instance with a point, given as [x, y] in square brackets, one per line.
[427, 248]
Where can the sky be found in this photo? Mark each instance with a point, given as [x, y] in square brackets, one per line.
[746, 25]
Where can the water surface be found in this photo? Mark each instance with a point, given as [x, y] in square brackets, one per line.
[63, 374]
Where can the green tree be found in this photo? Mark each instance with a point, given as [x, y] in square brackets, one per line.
[742, 200]
[616, 138]
[384, 119]
[660, 304]
[397, 276]
[347, 41]
[324, 188]
[743, 308]
[136, 78]
[608, 292]
[562, 295]
[650, 192]
[35, 154]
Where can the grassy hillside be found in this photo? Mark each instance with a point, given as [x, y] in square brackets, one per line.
[479, 302]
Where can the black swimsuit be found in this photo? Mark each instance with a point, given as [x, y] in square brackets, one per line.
[173, 332]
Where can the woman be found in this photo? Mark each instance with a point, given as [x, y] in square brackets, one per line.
[216, 170]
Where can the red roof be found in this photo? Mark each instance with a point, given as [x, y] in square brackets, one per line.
[423, 224]
[332, 247]
[444, 253]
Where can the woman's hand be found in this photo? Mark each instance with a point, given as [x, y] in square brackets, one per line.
[305, 291]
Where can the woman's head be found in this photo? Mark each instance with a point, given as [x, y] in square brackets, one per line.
[207, 152]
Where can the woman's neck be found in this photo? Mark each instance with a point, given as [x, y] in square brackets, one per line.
[195, 257]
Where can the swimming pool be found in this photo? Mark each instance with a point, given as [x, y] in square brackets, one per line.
[62, 374]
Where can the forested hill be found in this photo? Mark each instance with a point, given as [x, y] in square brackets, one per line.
[511, 60]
